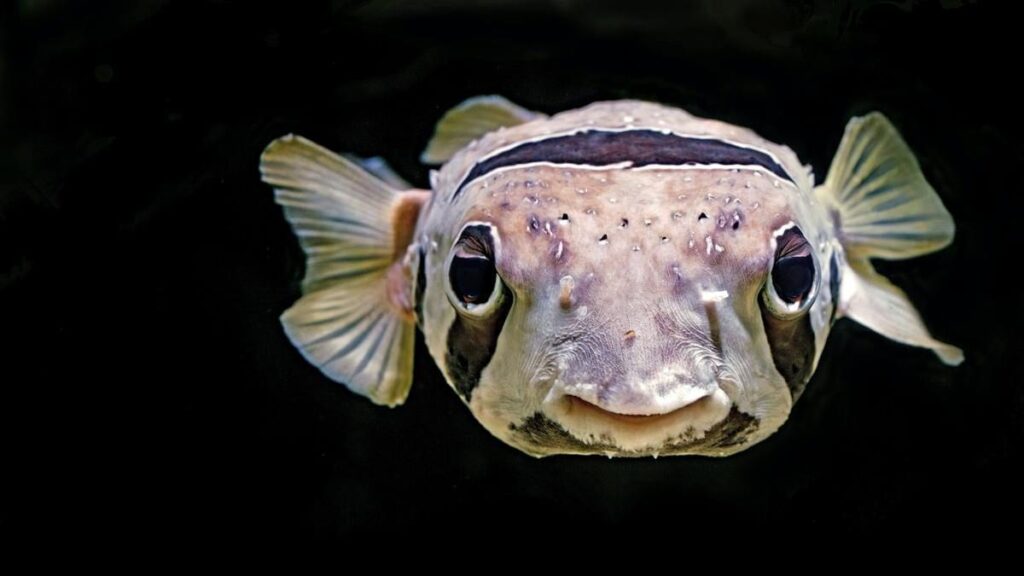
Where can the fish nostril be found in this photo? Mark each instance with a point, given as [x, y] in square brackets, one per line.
[624, 223]
[564, 218]
[603, 239]
[702, 217]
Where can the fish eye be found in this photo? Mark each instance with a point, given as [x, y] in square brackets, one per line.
[474, 286]
[794, 275]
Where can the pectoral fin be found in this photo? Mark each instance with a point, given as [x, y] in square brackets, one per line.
[869, 298]
[354, 320]
[471, 120]
[883, 208]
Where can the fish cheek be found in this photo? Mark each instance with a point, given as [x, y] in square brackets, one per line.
[471, 345]
[792, 344]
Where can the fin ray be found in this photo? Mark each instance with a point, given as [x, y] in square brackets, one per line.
[885, 209]
[345, 323]
[875, 184]
[872, 300]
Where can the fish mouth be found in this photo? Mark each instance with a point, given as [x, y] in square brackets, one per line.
[643, 425]
[582, 407]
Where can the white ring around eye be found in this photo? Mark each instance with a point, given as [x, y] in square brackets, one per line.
[494, 299]
[772, 301]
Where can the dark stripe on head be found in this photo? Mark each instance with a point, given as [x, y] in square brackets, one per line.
[420, 286]
[792, 343]
[640, 147]
[833, 284]
[471, 345]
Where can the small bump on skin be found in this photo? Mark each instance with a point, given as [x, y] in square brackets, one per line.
[624, 223]
[677, 215]
[567, 283]
[647, 221]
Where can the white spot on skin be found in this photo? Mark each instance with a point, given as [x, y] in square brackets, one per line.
[691, 243]
[719, 248]
[714, 295]
[547, 229]
[647, 221]
[627, 119]
[558, 252]
[709, 244]
[636, 248]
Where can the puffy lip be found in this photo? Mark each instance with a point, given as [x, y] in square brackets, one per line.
[641, 425]
[576, 405]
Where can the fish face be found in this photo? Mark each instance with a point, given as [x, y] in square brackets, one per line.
[628, 312]
[622, 279]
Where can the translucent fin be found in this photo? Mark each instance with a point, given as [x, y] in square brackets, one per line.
[471, 120]
[351, 321]
[886, 209]
[870, 299]
[380, 168]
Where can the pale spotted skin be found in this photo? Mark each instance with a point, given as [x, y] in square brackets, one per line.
[667, 266]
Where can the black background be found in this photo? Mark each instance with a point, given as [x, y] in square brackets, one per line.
[143, 265]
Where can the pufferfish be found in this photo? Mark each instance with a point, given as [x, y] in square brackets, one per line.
[623, 279]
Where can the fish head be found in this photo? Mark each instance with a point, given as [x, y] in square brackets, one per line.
[630, 312]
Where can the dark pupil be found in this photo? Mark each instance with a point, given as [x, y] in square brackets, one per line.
[792, 277]
[472, 279]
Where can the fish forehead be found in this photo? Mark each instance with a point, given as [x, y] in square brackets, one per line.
[614, 115]
[669, 226]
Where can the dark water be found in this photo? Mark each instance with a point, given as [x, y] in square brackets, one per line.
[143, 266]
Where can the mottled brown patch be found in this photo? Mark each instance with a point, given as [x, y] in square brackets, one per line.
[540, 434]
